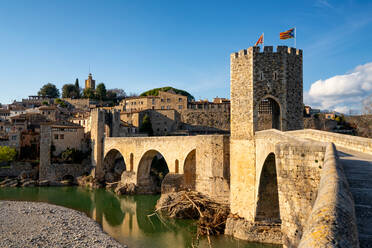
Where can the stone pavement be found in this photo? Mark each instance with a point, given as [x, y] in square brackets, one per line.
[358, 171]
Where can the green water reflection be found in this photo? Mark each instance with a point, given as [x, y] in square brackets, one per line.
[124, 217]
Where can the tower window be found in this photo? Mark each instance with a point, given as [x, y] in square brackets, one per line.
[275, 75]
[261, 76]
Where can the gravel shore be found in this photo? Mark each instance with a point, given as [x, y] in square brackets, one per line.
[34, 224]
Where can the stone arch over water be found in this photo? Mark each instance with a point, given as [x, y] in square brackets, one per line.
[189, 170]
[113, 166]
[267, 209]
[152, 169]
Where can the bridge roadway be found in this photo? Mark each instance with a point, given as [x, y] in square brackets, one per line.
[358, 171]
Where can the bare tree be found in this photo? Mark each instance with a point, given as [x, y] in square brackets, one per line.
[367, 105]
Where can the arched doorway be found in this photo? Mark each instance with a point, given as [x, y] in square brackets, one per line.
[268, 200]
[152, 169]
[268, 114]
[113, 166]
[189, 170]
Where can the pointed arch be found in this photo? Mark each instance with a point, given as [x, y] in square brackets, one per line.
[189, 170]
[267, 209]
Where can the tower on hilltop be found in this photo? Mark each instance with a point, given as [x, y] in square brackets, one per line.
[90, 83]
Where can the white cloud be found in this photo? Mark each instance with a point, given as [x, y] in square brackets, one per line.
[342, 92]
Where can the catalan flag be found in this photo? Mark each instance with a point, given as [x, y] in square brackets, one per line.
[260, 40]
[289, 34]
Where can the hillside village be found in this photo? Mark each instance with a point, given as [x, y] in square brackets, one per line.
[159, 112]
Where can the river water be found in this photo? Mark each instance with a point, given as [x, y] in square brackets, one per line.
[128, 219]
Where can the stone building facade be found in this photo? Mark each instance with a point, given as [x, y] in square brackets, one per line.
[165, 100]
[265, 85]
[65, 136]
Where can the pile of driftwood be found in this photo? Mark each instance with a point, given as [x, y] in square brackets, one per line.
[211, 216]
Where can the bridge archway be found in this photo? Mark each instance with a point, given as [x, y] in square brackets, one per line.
[152, 169]
[267, 209]
[113, 166]
[269, 114]
[189, 170]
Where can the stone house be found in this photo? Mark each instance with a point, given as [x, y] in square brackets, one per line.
[222, 104]
[165, 100]
[4, 114]
[164, 122]
[67, 135]
[82, 118]
[52, 113]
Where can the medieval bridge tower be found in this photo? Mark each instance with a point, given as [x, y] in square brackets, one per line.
[266, 92]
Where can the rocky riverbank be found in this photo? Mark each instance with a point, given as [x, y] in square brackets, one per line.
[31, 224]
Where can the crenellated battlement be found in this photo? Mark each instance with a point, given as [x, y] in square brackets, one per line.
[267, 49]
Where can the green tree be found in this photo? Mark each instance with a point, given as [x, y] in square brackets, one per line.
[60, 102]
[49, 90]
[101, 91]
[120, 93]
[7, 154]
[89, 93]
[146, 126]
[77, 88]
[111, 95]
[68, 91]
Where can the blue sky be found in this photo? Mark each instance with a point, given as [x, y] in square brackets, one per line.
[138, 45]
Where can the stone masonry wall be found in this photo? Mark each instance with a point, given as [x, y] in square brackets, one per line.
[57, 172]
[332, 221]
[206, 119]
[45, 150]
[351, 142]
[298, 170]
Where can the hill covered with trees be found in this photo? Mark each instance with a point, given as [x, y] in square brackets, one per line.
[155, 92]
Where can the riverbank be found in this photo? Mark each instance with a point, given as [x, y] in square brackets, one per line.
[33, 224]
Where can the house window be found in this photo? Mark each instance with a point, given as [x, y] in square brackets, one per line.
[62, 136]
[180, 106]
[179, 99]
[168, 107]
[48, 112]
[162, 100]
[168, 100]
[162, 107]
[14, 137]
[153, 101]
[56, 136]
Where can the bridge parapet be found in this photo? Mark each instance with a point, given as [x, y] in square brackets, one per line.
[355, 143]
[332, 222]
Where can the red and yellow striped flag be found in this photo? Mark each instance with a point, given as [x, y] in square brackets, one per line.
[260, 40]
[289, 34]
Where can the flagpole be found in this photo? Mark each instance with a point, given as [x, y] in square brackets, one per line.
[295, 38]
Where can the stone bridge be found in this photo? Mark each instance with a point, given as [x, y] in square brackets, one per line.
[284, 186]
[202, 160]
